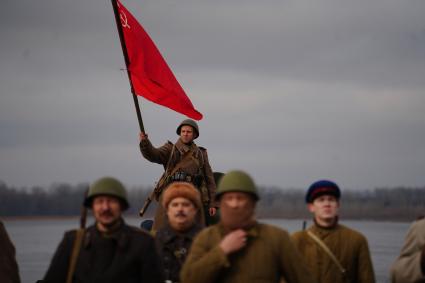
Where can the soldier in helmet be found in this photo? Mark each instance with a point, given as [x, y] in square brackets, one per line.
[109, 250]
[240, 249]
[183, 161]
[333, 252]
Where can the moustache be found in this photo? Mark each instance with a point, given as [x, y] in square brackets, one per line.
[180, 213]
[106, 213]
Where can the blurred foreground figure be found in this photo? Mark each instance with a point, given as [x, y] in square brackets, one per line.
[240, 249]
[410, 265]
[183, 206]
[108, 251]
[334, 253]
[9, 272]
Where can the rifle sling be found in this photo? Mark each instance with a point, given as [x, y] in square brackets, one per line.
[79, 235]
[328, 252]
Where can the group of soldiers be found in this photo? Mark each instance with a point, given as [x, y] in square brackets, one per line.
[184, 244]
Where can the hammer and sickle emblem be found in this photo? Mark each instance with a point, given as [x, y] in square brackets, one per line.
[124, 21]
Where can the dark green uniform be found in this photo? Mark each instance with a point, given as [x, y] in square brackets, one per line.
[127, 255]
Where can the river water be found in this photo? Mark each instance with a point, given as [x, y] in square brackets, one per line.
[36, 240]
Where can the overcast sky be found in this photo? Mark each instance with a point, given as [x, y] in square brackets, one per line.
[291, 91]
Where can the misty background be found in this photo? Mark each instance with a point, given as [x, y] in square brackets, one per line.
[291, 91]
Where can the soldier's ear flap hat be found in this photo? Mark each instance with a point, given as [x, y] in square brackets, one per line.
[181, 189]
[320, 188]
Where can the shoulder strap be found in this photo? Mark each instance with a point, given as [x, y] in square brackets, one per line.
[328, 252]
[169, 158]
[74, 255]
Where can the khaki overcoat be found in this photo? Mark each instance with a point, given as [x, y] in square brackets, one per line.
[268, 257]
[349, 247]
[407, 267]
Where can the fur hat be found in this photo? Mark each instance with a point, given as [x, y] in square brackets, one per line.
[184, 190]
[320, 188]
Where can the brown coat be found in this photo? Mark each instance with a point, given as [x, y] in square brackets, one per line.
[268, 256]
[201, 167]
[407, 267]
[349, 247]
[9, 272]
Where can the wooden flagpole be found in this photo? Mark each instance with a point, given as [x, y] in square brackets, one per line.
[127, 62]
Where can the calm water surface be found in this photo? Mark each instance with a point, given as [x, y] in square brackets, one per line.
[36, 241]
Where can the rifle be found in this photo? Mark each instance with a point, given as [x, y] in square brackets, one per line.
[79, 235]
[83, 212]
[147, 203]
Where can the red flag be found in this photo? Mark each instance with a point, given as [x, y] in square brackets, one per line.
[149, 73]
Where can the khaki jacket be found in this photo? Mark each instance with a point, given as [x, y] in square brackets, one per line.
[268, 256]
[407, 267]
[349, 247]
[162, 154]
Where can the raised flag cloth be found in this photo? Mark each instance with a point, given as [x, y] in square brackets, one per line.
[149, 73]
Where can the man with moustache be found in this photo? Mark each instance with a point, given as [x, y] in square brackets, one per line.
[334, 252]
[182, 202]
[110, 250]
[183, 161]
[239, 249]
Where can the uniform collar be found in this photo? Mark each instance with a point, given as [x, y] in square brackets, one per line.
[183, 148]
[169, 233]
[252, 230]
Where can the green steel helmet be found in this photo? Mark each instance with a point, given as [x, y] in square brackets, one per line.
[237, 181]
[107, 186]
[189, 122]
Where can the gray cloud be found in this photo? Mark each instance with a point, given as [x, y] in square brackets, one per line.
[291, 91]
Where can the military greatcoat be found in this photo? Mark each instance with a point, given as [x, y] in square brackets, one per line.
[349, 247]
[407, 268]
[127, 256]
[269, 256]
[197, 167]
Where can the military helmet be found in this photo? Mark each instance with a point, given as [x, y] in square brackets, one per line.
[237, 181]
[189, 122]
[107, 186]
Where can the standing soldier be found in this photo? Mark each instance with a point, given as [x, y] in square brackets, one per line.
[183, 161]
[239, 249]
[182, 202]
[334, 253]
[108, 251]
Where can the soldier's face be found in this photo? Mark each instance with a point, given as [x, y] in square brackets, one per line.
[325, 209]
[181, 214]
[237, 209]
[106, 211]
[186, 134]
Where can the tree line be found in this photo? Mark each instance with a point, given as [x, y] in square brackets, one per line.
[393, 204]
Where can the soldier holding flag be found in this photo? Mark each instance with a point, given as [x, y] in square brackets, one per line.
[183, 161]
